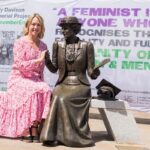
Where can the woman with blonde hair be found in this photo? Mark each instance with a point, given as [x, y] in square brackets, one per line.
[26, 101]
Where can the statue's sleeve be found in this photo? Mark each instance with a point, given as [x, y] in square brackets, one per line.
[52, 65]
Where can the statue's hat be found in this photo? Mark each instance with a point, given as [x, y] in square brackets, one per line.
[69, 20]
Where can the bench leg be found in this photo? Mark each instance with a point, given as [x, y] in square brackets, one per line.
[120, 125]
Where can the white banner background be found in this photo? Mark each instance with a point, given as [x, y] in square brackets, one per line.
[118, 29]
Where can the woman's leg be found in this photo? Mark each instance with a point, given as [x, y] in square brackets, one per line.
[35, 132]
[41, 125]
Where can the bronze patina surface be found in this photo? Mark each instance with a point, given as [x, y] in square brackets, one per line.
[67, 121]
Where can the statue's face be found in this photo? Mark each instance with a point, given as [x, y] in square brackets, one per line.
[67, 31]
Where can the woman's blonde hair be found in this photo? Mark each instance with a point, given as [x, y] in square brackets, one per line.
[29, 21]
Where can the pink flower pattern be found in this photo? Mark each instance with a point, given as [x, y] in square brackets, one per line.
[27, 97]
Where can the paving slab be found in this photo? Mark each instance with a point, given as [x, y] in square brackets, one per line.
[99, 132]
[131, 147]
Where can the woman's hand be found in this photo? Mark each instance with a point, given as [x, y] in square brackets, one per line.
[42, 57]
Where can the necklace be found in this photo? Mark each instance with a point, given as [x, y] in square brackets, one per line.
[70, 52]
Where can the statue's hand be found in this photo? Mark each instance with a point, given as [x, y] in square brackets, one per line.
[95, 73]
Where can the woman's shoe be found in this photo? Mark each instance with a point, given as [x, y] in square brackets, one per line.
[29, 138]
[33, 135]
[36, 139]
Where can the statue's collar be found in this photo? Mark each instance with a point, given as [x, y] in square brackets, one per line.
[63, 43]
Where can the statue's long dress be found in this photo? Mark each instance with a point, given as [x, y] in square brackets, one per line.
[67, 120]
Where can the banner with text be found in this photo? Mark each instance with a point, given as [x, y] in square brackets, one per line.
[118, 29]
